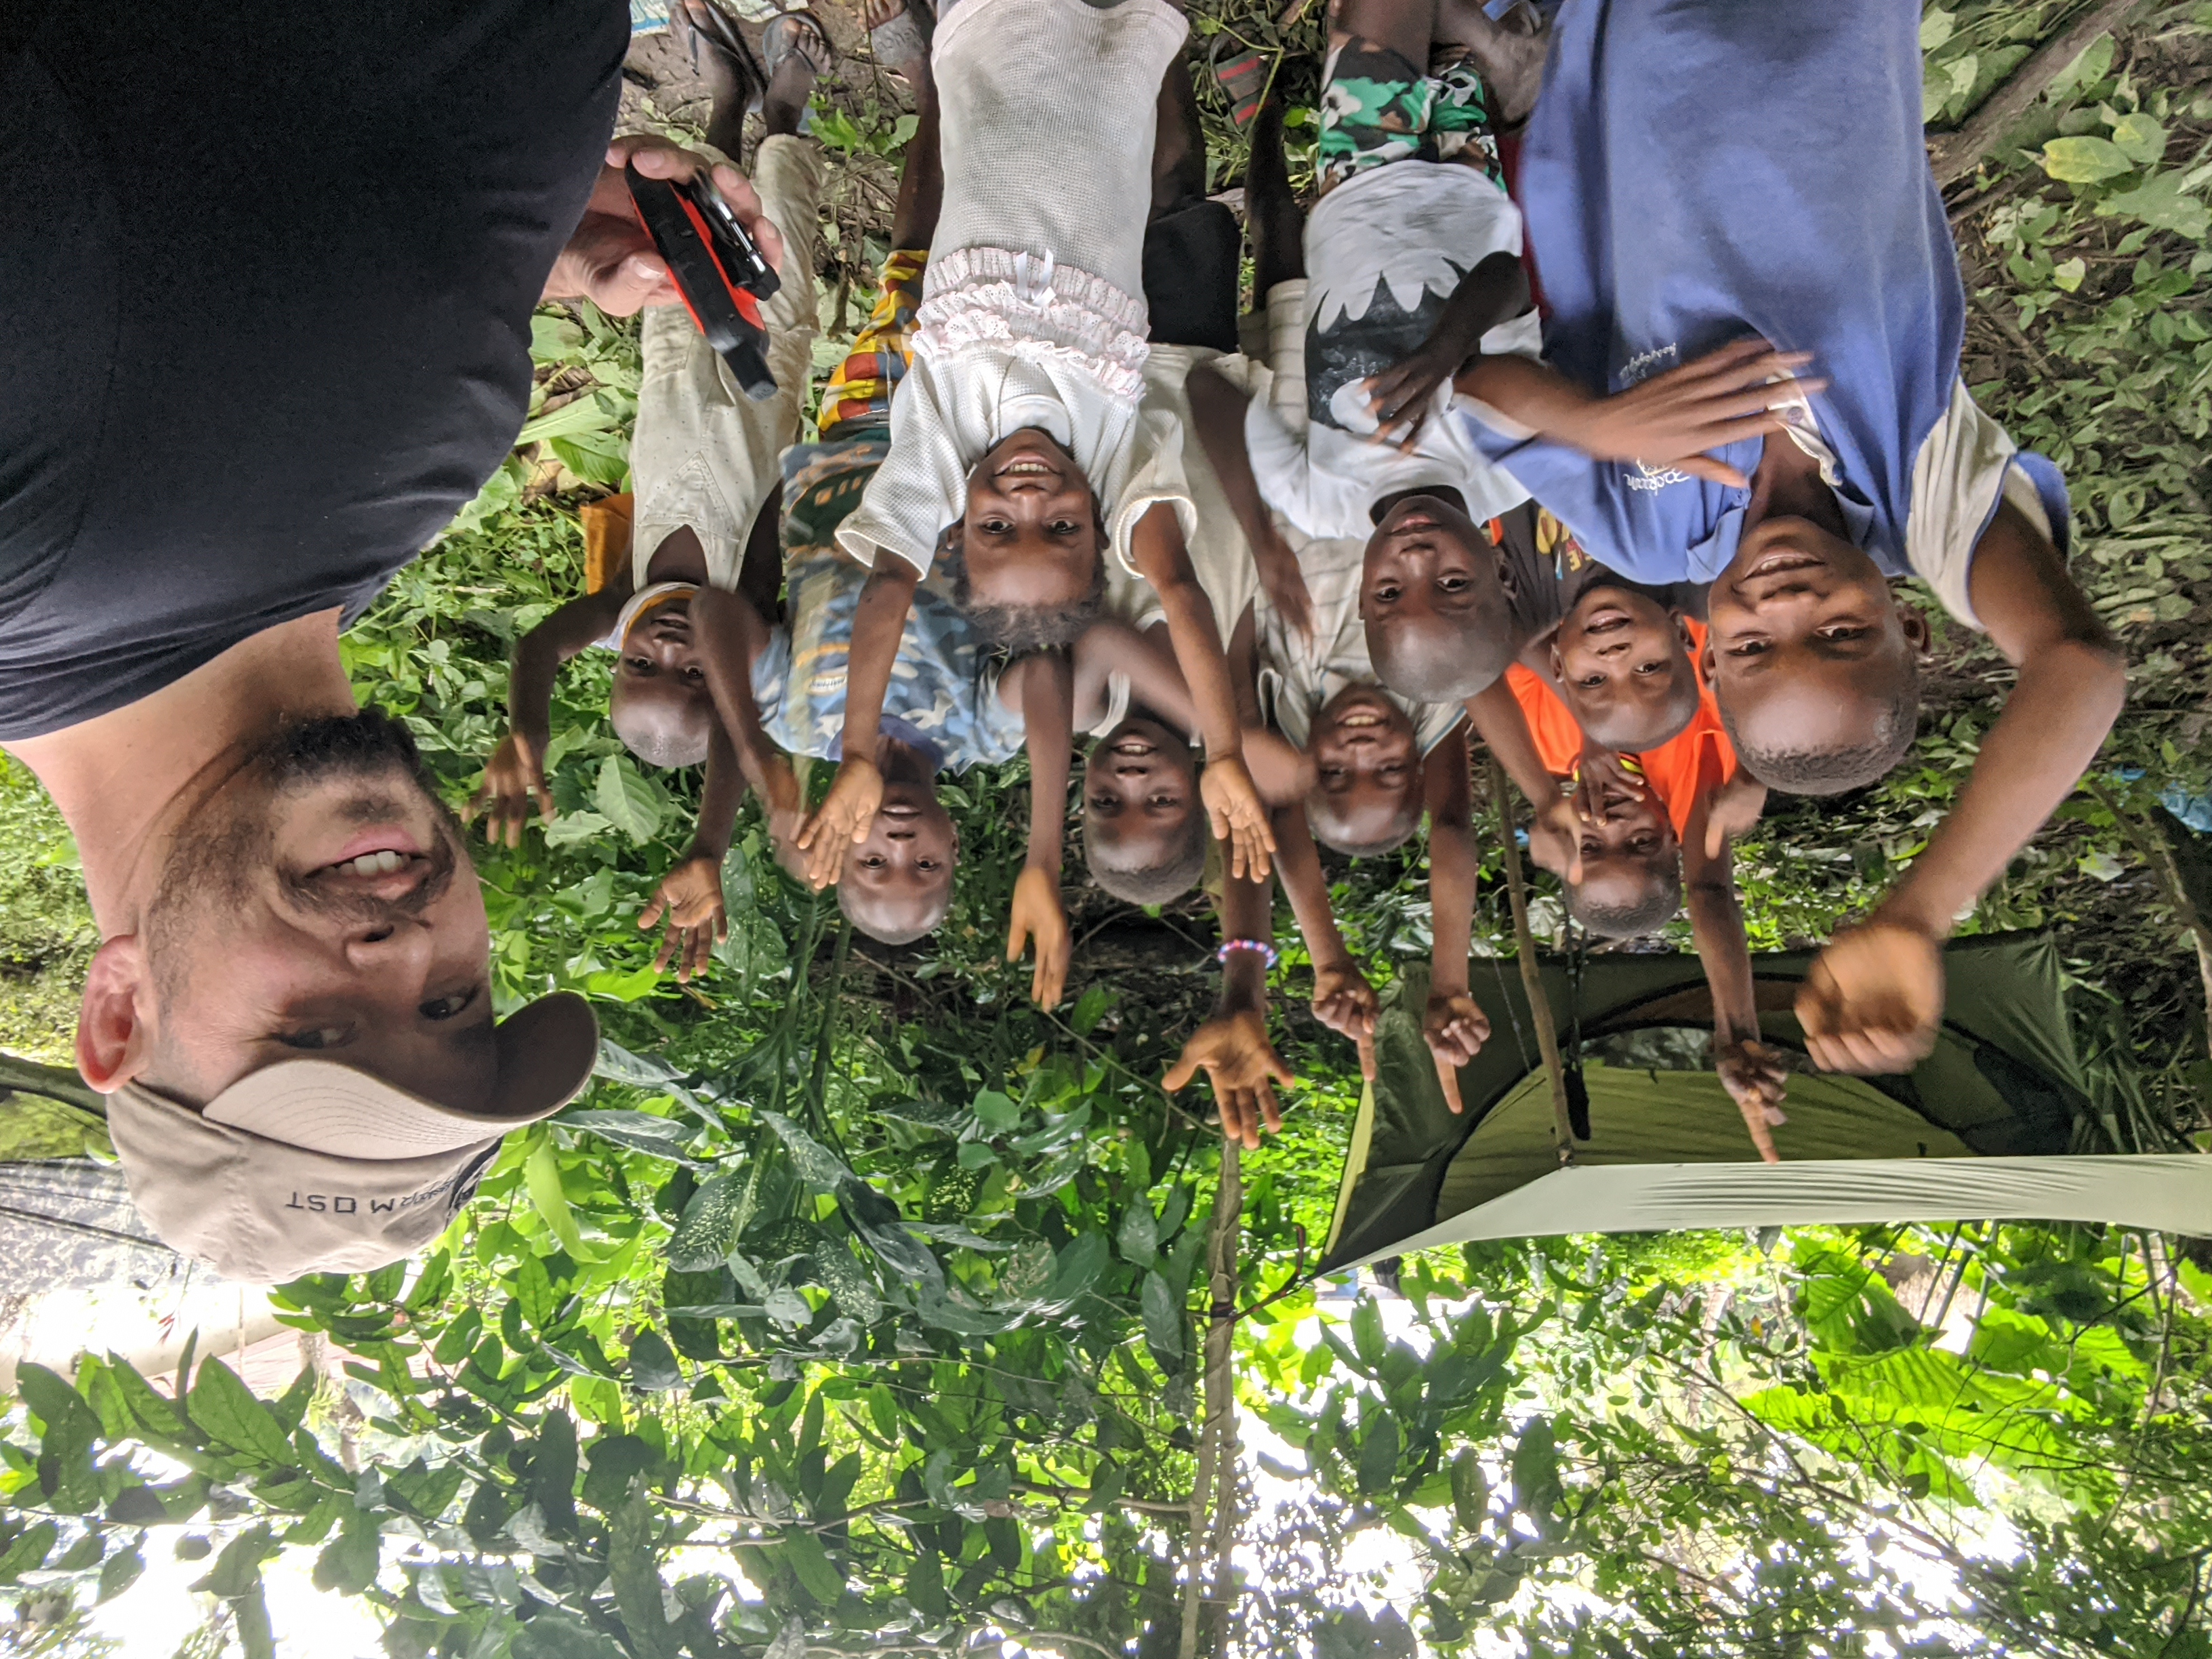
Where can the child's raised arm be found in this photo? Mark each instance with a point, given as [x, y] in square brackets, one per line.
[1875, 997]
[1042, 688]
[1555, 837]
[845, 815]
[1752, 1072]
[1233, 804]
[1494, 292]
[1232, 1047]
[1343, 1000]
[1453, 1024]
[1217, 409]
[690, 895]
[514, 777]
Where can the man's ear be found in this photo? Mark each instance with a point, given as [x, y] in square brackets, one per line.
[1708, 660]
[1556, 657]
[1682, 631]
[115, 1018]
[1914, 626]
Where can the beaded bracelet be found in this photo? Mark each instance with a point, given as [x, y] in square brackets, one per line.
[1265, 949]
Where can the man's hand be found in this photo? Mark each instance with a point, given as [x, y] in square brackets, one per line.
[1343, 1001]
[1284, 582]
[1873, 1000]
[514, 778]
[690, 896]
[1555, 839]
[1732, 813]
[1037, 913]
[1757, 1081]
[1455, 1028]
[1401, 397]
[1673, 419]
[843, 820]
[1244, 1067]
[612, 261]
[1239, 819]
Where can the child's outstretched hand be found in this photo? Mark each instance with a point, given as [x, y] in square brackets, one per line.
[1343, 1001]
[1239, 819]
[1757, 1081]
[1401, 396]
[1673, 419]
[1244, 1067]
[843, 820]
[1873, 1000]
[514, 778]
[1455, 1028]
[690, 896]
[1037, 913]
[1734, 812]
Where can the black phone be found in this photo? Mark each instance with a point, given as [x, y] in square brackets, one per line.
[718, 268]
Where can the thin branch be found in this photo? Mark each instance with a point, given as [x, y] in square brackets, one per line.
[1532, 974]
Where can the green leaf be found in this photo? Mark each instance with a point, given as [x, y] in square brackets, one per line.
[1536, 1468]
[626, 800]
[1077, 1266]
[818, 1166]
[2085, 160]
[615, 1460]
[997, 1111]
[817, 1575]
[2160, 203]
[715, 1220]
[652, 1365]
[554, 1634]
[119, 1571]
[1163, 1323]
[636, 1577]
[641, 1132]
[1367, 1337]
[2067, 274]
[28, 1551]
[1093, 1006]
[542, 1173]
[1470, 1489]
[2140, 138]
[553, 1474]
[237, 1570]
[1140, 1236]
[227, 1409]
[1936, 25]
[1378, 1455]
[349, 1563]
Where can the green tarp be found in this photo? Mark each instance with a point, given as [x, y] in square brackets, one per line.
[1667, 1146]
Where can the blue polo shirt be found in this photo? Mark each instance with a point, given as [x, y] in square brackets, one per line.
[1694, 173]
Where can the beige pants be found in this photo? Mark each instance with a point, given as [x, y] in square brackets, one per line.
[705, 456]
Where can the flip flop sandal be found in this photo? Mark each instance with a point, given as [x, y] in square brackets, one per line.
[797, 34]
[712, 23]
[900, 40]
[1243, 78]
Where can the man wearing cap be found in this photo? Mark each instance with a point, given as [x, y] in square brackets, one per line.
[268, 281]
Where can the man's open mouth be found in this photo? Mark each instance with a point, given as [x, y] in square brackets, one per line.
[1784, 562]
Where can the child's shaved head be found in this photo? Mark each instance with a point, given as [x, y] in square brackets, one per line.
[1143, 830]
[898, 883]
[1436, 601]
[1622, 659]
[1028, 555]
[660, 705]
[1813, 661]
[1367, 792]
[1632, 880]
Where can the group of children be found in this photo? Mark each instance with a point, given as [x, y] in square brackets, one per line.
[1613, 468]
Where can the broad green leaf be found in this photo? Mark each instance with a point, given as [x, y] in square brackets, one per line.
[572, 829]
[1378, 1455]
[227, 1409]
[2067, 274]
[2085, 160]
[1140, 1235]
[790, 1641]
[1367, 1337]
[28, 1551]
[1162, 1314]
[2141, 138]
[119, 1571]
[1470, 1489]
[1091, 1007]
[848, 1285]
[711, 1223]
[817, 1165]
[542, 1173]
[642, 1132]
[652, 1365]
[1536, 1468]
[640, 1071]
[637, 1576]
[2162, 203]
[1936, 25]
[817, 1575]
[554, 1634]
[997, 1111]
[237, 1570]
[553, 1475]
[625, 799]
[1076, 1268]
[349, 1563]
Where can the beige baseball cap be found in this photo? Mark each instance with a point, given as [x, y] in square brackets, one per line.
[310, 1166]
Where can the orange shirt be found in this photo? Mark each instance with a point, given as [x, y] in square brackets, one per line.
[1698, 759]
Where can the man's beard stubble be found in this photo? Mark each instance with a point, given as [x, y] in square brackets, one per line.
[220, 853]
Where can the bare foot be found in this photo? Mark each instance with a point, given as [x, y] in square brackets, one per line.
[897, 40]
[797, 49]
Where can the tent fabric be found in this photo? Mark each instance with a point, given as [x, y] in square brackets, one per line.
[2003, 1083]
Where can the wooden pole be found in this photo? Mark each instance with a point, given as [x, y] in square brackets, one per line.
[1217, 1439]
[1532, 976]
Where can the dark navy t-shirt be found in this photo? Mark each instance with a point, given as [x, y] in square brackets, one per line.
[1694, 173]
[265, 286]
